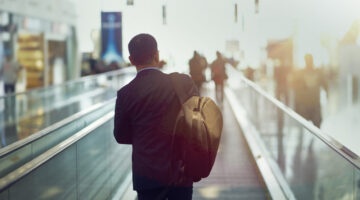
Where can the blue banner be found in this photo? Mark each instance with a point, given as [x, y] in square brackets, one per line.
[111, 37]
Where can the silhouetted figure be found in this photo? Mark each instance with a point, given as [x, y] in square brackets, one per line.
[113, 66]
[100, 66]
[10, 69]
[307, 84]
[92, 64]
[197, 66]
[145, 114]
[249, 73]
[162, 64]
[218, 75]
[281, 74]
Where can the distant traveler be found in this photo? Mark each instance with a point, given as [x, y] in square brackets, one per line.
[281, 75]
[307, 84]
[10, 69]
[197, 66]
[218, 75]
[145, 114]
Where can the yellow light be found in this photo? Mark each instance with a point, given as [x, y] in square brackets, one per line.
[210, 192]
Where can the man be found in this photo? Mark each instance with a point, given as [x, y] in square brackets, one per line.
[218, 74]
[281, 74]
[307, 84]
[145, 114]
[10, 73]
[197, 67]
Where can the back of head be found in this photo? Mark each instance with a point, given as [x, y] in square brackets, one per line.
[218, 54]
[142, 49]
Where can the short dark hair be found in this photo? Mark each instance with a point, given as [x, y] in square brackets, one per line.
[142, 49]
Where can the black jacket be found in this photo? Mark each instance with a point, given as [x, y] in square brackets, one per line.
[145, 113]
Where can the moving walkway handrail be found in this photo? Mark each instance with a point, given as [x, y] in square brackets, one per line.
[36, 136]
[342, 150]
[25, 169]
[79, 80]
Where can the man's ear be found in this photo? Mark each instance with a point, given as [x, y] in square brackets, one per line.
[131, 60]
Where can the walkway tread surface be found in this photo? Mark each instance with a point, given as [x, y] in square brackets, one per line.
[234, 175]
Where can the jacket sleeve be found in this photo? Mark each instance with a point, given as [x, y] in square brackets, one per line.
[122, 130]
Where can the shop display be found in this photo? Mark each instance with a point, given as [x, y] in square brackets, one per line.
[31, 56]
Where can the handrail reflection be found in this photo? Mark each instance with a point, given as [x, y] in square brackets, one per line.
[36, 136]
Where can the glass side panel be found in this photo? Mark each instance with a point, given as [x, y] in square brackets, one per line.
[54, 180]
[311, 168]
[23, 154]
[92, 162]
[4, 195]
[15, 159]
[357, 184]
[119, 157]
[92, 168]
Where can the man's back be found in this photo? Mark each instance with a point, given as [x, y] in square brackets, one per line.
[218, 70]
[150, 107]
[145, 113]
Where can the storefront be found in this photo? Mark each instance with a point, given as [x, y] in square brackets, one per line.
[42, 39]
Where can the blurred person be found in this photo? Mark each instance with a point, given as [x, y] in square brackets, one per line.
[92, 64]
[162, 64]
[197, 66]
[281, 74]
[249, 73]
[218, 75]
[100, 66]
[145, 114]
[113, 66]
[10, 69]
[307, 84]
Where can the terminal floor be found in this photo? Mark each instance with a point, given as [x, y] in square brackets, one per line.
[234, 175]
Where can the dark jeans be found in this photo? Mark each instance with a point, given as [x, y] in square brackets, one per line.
[9, 88]
[169, 193]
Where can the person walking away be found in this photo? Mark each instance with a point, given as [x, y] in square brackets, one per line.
[145, 113]
[218, 74]
[10, 72]
[249, 73]
[197, 66]
[281, 73]
[307, 84]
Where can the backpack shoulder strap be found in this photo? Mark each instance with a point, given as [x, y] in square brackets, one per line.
[179, 90]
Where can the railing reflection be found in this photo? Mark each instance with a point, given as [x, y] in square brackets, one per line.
[24, 114]
[314, 165]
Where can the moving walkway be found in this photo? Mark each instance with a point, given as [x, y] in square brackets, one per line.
[267, 152]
